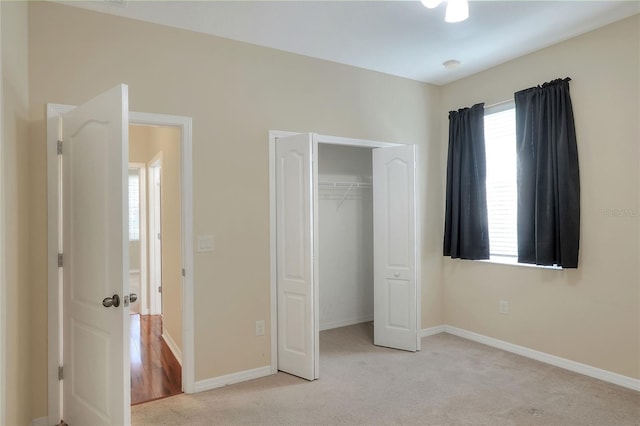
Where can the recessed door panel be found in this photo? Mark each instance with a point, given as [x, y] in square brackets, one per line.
[294, 333]
[399, 307]
[398, 204]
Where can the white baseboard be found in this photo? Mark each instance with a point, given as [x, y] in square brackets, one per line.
[426, 332]
[177, 352]
[343, 323]
[40, 421]
[229, 379]
[567, 364]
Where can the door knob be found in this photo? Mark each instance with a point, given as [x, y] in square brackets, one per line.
[114, 301]
[396, 274]
[133, 297]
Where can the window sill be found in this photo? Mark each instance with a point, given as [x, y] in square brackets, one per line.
[513, 261]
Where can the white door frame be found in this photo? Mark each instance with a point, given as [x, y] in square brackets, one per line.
[155, 246]
[142, 194]
[318, 139]
[3, 292]
[54, 240]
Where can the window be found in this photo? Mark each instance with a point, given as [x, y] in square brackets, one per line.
[502, 195]
[134, 206]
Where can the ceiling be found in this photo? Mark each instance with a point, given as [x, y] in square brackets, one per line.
[401, 38]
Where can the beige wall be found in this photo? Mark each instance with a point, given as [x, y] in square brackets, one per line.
[590, 315]
[235, 93]
[16, 212]
[145, 143]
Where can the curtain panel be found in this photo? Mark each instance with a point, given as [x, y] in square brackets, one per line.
[548, 176]
[466, 229]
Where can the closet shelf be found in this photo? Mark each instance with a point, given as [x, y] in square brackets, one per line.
[344, 184]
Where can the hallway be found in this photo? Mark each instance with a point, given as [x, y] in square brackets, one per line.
[155, 372]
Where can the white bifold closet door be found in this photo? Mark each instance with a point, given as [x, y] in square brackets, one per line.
[395, 248]
[395, 252]
[297, 346]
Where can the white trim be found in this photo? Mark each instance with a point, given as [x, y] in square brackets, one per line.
[3, 291]
[362, 143]
[418, 244]
[230, 379]
[426, 332]
[155, 227]
[344, 323]
[175, 349]
[40, 421]
[499, 107]
[54, 320]
[567, 364]
[54, 326]
[144, 284]
[315, 256]
[513, 261]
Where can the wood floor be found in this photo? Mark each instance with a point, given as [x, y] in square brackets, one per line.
[155, 372]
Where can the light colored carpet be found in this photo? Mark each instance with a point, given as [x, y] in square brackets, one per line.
[452, 381]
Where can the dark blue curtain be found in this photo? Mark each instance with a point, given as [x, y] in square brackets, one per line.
[466, 228]
[548, 176]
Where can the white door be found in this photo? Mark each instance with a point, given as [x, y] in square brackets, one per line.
[297, 328]
[95, 239]
[395, 248]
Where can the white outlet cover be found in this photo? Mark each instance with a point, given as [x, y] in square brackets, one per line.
[205, 243]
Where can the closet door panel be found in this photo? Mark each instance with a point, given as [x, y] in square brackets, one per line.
[395, 249]
[294, 246]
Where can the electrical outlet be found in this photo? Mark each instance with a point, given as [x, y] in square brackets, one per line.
[260, 328]
[504, 306]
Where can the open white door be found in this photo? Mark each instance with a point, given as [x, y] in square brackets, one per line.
[96, 384]
[395, 248]
[297, 348]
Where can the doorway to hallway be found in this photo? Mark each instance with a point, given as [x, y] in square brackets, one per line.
[154, 262]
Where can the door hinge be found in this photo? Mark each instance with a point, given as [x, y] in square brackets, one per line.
[159, 236]
[60, 260]
[60, 372]
[184, 273]
[59, 147]
[159, 289]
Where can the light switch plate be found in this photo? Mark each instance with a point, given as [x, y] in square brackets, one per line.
[205, 243]
[260, 328]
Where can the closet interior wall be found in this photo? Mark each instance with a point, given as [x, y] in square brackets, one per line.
[345, 223]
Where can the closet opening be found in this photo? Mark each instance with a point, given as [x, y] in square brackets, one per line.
[345, 225]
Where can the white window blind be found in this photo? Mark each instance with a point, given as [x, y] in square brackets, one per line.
[502, 201]
[134, 207]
